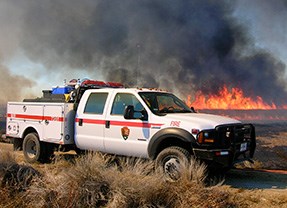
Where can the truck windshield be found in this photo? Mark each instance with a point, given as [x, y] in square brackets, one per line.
[163, 103]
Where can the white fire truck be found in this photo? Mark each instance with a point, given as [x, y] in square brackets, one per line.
[136, 122]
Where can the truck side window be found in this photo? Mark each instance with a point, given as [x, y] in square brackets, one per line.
[124, 99]
[96, 103]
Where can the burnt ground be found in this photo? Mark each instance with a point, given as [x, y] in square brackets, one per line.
[271, 150]
[269, 128]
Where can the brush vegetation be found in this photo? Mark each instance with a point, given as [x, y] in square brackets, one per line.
[98, 180]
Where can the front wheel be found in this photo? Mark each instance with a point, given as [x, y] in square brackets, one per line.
[172, 161]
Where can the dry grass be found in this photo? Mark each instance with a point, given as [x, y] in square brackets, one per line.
[98, 180]
[7, 157]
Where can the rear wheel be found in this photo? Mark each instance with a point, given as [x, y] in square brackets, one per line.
[35, 150]
[32, 148]
[172, 161]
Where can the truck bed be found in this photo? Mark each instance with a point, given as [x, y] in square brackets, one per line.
[54, 122]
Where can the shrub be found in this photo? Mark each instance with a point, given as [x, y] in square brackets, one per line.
[98, 180]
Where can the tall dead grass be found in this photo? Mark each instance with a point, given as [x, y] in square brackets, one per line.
[97, 180]
[15, 180]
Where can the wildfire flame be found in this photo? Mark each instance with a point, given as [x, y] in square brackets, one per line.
[230, 99]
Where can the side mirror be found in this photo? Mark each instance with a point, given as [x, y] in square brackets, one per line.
[192, 109]
[130, 113]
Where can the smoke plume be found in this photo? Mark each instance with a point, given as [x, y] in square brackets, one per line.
[12, 86]
[183, 46]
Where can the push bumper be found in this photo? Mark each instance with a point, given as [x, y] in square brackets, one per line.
[224, 157]
[241, 148]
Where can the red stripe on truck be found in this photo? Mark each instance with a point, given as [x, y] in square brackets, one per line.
[91, 121]
[22, 116]
[35, 117]
[121, 123]
[133, 124]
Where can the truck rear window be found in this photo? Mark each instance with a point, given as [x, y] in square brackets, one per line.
[96, 103]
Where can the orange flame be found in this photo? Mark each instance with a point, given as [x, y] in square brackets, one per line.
[233, 99]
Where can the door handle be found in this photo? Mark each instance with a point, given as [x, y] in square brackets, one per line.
[108, 123]
[80, 122]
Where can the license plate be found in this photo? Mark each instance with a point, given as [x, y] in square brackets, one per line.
[243, 147]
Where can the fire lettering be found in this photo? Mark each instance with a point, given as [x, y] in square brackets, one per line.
[175, 123]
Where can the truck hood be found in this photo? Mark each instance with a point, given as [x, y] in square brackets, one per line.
[201, 120]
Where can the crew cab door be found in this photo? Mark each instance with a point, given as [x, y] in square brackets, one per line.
[90, 121]
[122, 136]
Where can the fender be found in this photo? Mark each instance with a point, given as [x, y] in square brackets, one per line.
[167, 133]
[28, 130]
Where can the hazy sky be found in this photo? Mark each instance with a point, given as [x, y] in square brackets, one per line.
[266, 22]
[28, 64]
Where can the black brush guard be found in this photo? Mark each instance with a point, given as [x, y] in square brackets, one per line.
[233, 143]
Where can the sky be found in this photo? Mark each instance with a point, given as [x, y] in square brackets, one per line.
[184, 47]
[266, 24]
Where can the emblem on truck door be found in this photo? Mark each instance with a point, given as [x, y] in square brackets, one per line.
[125, 132]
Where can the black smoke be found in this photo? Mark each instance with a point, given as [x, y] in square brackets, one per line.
[183, 46]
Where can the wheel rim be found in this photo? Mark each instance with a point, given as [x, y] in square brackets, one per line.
[172, 168]
[31, 149]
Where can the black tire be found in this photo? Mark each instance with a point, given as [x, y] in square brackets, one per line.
[32, 148]
[37, 151]
[171, 161]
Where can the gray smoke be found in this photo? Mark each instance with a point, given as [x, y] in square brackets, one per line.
[12, 86]
[183, 46]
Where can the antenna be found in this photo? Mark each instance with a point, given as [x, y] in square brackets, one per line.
[138, 62]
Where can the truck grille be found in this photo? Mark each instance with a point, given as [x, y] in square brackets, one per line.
[230, 135]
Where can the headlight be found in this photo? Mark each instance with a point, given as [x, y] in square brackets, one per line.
[205, 137]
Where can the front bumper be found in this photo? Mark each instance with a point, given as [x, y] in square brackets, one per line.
[239, 149]
[221, 157]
